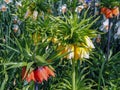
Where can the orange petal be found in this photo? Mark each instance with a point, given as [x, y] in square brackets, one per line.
[49, 71]
[38, 76]
[108, 13]
[115, 11]
[31, 77]
[44, 74]
[103, 9]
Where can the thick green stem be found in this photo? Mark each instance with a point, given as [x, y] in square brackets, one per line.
[73, 74]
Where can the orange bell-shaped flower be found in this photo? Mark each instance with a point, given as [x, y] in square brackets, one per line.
[38, 75]
[49, 71]
[115, 11]
[31, 77]
[103, 9]
[108, 13]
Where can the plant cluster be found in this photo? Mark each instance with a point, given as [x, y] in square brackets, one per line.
[59, 45]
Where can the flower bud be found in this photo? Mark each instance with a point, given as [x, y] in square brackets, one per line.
[15, 28]
[35, 14]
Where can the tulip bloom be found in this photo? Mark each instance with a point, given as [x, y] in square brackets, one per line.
[38, 75]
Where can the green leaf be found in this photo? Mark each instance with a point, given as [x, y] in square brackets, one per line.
[9, 47]
[40, 59]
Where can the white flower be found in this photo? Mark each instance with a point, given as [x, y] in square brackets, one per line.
[117, 35]
[118, 31]
[18, 4]
[3, 8]
[63, 8]
[35, 14]
[79, 9]
[106, 22]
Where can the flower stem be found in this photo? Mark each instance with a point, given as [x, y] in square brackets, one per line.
[36, 86]
[73, 74]
[109, 38]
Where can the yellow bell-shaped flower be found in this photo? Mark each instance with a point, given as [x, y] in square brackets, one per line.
[80, 53]
[88, 42]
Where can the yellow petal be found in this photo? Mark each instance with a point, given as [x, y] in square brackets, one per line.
[88, 42]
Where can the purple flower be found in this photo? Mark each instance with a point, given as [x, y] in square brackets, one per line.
[88, 1]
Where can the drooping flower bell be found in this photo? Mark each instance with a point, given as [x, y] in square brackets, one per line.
[37, 75]
[107, 12]
[115, 11]
[63, 8]
[79, 9]
[104, 26]
[78, 52]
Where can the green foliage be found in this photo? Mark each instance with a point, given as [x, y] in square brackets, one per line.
[32, 45]
[110, 3]
[73, 29]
